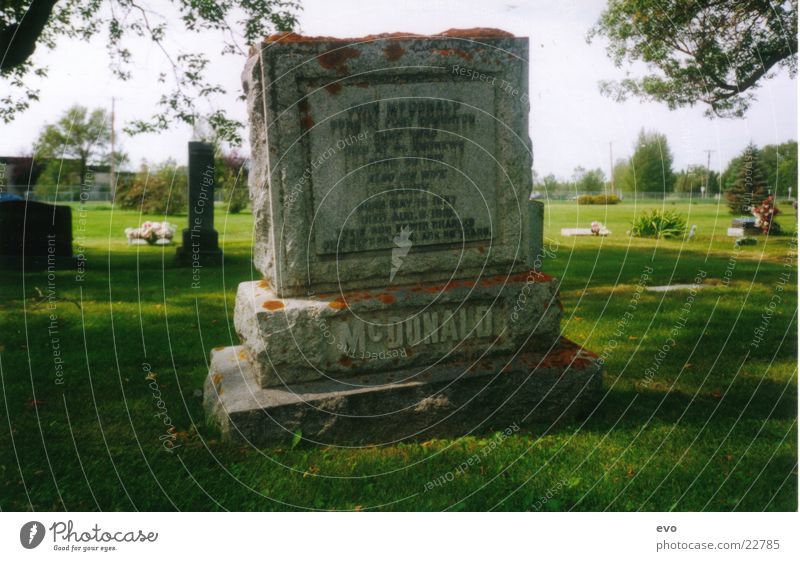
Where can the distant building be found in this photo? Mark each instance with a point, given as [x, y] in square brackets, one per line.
[17, 173]
[20, 175]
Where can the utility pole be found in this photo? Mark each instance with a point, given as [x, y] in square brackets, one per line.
[708, 168]
[611, 168]
[111, 171]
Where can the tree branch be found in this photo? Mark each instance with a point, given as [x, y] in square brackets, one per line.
[18, 40]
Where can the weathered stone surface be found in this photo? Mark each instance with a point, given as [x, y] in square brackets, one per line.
[402, 296]
[361, 146]
[456, 399]
[343, 335]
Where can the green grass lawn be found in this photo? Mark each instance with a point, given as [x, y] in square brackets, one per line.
[709, 424]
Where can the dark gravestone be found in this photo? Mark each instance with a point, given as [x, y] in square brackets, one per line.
[35, 236]
[200, 240]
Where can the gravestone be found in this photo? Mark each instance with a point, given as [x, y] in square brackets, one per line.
[200, 240]
[747, 225]
[35, 236]
[390, 179]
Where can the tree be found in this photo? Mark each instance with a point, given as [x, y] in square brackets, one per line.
[623, 179]
[57, 175]
[650, 165]
[155, 189]
[589, 181]
[78, 135]
[550, 186]
[694, 177]
[749, 187]
[780, 165]
[710, 51]
[24, 25]
[231, 176]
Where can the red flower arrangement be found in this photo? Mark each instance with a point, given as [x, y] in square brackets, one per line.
[765, 214]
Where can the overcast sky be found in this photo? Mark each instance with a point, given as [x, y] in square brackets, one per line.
[571, 122]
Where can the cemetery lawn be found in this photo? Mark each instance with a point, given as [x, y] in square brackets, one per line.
[708, 425]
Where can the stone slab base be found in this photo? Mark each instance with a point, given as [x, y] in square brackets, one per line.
[447, 400]
[298, 340]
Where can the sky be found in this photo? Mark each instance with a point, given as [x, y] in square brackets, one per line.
[571, 123]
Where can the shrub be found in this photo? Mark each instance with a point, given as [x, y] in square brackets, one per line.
[659, 224]
[598, 200]
[157, 189]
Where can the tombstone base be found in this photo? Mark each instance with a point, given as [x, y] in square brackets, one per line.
[390, 330]
[199, 249]
[450, 400]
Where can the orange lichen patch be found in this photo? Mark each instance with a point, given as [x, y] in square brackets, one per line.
[472, 33]
[526, 276]
[216, 379]
[393, 51]
[306, 122]
[263, 283]
[567, 353]
[337, 58]
[334, 87]
[338, 304]
[218, 349]
[476, 33]
[387, 298]
[346, 361]
[481, 249]
[454, 52]
[433, 289]
[288, 37]
[273, 305]
[243, 355]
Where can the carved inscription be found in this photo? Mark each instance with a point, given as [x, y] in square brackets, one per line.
[425, 169]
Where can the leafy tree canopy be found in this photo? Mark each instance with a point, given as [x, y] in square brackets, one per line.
[589, 181]
[81, 135]
[710, 51]
[650, 167]
[26, 24]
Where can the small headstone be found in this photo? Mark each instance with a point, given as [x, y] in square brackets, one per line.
[735, 232]
[200, 241]
[747, 224]
[569, 232]
[35, 236]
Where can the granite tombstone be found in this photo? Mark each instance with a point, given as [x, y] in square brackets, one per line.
[35, 236]
[200, 240]
[401, 295]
